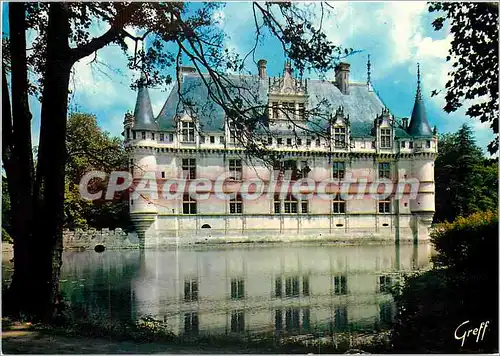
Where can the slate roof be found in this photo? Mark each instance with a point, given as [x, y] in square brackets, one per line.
[362, 104]
[143, 113]
[419, 126]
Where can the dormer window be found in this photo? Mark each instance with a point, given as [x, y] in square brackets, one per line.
[302, 111]
[385, 138]
[188, 131]
[232, 132]
[289, 110]
[340, 137]
[275, 110]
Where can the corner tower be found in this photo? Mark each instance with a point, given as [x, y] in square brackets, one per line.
[142, 148]
[424, 155]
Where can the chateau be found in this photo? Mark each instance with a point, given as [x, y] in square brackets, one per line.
[336, 131]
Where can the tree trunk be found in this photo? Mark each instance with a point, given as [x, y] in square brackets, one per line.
[49, 184]
[18, 159]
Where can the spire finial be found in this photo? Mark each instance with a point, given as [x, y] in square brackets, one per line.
[368, 67]
[419, 89]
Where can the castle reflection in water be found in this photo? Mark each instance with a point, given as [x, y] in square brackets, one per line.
[289, 290]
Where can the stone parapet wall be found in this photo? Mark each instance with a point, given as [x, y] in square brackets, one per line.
[89, 239]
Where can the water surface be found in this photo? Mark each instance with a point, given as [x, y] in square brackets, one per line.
[269, 289]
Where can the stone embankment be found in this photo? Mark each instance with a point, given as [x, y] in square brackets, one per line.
[88, 239]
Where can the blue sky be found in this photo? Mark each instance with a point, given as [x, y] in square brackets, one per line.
[396, 35]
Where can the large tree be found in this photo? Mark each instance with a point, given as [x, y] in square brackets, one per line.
[92, 149]
[62, 36]
[466, 182]
[474, 58]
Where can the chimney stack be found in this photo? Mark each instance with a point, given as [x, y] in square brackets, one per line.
[405, 122]
[261, 66]
[342, 77]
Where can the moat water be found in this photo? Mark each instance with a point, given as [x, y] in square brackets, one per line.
[254, 289]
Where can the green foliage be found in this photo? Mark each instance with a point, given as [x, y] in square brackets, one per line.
[474, 57]
[466, 182]
[467, 244]
[6, 212]
[462, 286]
[89, 148]
[6, 236]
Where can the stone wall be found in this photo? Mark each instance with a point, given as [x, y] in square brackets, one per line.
[89, 239]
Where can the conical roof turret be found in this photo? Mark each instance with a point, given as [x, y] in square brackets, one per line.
[419, 126]
[143, 113]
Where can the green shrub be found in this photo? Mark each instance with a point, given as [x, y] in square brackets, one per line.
[463, 286]
[467, 244]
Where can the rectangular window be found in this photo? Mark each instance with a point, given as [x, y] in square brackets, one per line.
[308, 142]
[237, 321]
[290, 204]
[289, 141]
[188, 131]
[340, 321]
[212, 139]
[278, 320]
[162, 137]
[188, 205]
[289, 109]
[275, 110]
[302, 111]
[235, 169]
[305, 286]
[403, 144]
[278, 287]
[411, 144]
[221, 140]
[338, 171]
[428, 144]
[236, 205]
[232, 132]
[143, 135]
[384, 170]
[384, 207]
[299, 142]
[304, 169]
[340, 285]
[385, 284]
[134, 135]
[189, 168]
[280, 141]
[202, 139]
[292, 319]
[190, 290]
[277, 204]
[153, 136]
[292, 287]
[163, 175]
[306, 318]
[338, 205]
[385, 138]
[304, 206]
[170, 137]
[340, 137]
[269, 140]
[237, 288]
[318, 142]
[191, 324]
